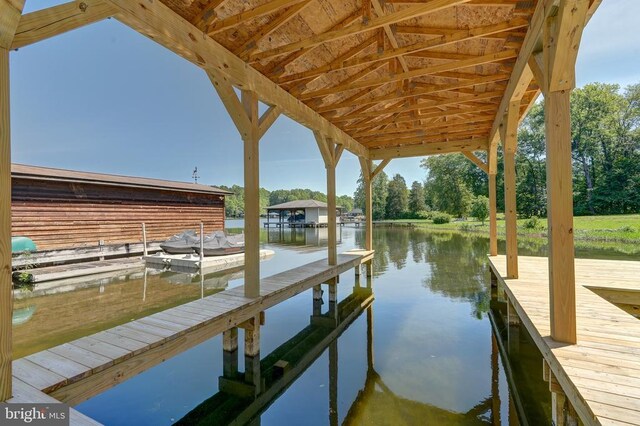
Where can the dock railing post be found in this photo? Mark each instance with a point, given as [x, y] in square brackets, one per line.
[201, 245]
[144, 240]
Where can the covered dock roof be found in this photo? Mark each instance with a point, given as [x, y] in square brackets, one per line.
[299, 204]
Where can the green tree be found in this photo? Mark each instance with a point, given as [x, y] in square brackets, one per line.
[397, 198]
[445, 187]
[416, 198]
[345, 202]
[480, 208]
[379, 195]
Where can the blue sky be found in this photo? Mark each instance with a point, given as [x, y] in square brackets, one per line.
[106, 99]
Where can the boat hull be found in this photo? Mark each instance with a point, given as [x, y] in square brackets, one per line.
[220, 251]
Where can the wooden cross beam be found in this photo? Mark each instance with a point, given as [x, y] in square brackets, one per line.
[475, 160]
[52, 21]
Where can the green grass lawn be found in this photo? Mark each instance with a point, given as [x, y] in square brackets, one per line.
[622, 228]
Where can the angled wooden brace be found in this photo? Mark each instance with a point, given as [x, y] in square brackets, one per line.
[252, 126]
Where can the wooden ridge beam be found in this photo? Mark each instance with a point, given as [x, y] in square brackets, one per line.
[164, 26]
[449, 66]
[379, 22]
[433, 148]
[55, 20]
[414, 49]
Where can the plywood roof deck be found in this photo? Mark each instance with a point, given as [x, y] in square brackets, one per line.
[389, 74]
[601, 373]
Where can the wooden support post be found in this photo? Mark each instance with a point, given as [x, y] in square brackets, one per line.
[10, 13]
[562, 36]
[562, 411]
[251, 197]
[509, 142]
[331, 153]
[230, 353]
[252, 127]
[562, 289]
[368, 206]
[493, 224]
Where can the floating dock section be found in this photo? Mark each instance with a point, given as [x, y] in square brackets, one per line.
[192, 261]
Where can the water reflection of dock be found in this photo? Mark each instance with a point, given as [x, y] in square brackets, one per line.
[244, 396]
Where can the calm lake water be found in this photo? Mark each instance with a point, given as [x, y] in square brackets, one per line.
[423, 352]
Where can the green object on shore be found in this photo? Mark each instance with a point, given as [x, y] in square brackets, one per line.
[20, 244]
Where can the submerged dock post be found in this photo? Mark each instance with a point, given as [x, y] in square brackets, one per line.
[514, 328]
[252, 352]
[230, 353]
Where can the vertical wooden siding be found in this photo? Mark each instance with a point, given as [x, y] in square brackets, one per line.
[60, 215]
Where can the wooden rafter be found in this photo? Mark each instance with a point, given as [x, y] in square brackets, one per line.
[277, 68]
[265, 9]
[457, 37]
[207, 14]
[481, 60]
[379, 22]
[428, 89]
[251, 45]
[423, 106]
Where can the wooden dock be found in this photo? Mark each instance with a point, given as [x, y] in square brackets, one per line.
[600, 375]
[78, 370]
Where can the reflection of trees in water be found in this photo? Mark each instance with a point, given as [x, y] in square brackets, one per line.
[459, 268]
[458, 264]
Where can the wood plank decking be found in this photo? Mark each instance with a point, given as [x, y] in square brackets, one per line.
[601, 373]
[78, 370]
